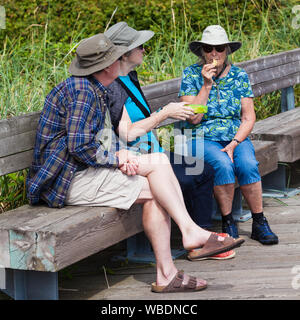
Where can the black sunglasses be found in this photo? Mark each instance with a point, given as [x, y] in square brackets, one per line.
[208, 48]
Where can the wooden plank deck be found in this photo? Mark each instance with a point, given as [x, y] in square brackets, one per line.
[257, 272]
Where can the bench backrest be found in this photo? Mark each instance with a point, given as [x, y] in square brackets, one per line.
[266, 74]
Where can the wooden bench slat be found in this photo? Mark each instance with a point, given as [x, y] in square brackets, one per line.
[273, 60]
[156, 103]
[15, 162]
[50, 242]
[276, 84]
[162, 88]
[266, 155]
[93, 235]
[277, 72]
[18, 125]
[284, 128]
[17, 143]
[28, 218]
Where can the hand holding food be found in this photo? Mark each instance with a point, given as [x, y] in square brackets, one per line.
[209, 71]
[215, 62]
[198, 108]
[179, 111]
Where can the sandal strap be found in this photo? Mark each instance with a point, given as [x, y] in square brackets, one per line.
[175, 283]
[192, 283]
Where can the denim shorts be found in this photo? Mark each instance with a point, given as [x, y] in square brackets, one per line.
[244, 167]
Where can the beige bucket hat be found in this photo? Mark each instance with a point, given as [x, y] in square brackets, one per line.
[123, 35]
[214, 35]
[94, 54]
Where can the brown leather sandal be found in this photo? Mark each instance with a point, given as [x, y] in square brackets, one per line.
[213, 246]
[176, 285]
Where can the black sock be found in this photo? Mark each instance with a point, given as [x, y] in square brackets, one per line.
[227, 218]
[257, 216]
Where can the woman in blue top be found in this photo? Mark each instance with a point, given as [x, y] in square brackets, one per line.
[135, 124]
[226, 90]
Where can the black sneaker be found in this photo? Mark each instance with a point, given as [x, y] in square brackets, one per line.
[230, 227]
[262, 232]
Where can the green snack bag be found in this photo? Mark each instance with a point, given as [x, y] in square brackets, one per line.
[198, 108]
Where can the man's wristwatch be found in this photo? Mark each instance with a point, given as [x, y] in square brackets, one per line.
[236, 140]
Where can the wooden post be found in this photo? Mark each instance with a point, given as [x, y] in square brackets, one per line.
[31, 285]
[287, 99]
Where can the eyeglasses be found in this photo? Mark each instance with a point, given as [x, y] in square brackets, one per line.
[208, 48]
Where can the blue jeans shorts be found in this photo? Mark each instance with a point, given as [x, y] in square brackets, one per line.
[244, 167]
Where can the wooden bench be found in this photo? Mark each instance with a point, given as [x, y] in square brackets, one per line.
[37, 242]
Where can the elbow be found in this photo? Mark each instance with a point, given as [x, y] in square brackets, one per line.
[131, 137]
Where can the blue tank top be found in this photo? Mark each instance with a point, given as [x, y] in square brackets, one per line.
[148, 141]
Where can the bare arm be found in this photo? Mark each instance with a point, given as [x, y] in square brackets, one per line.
[129, 131]
[248, 118]
[208, 71]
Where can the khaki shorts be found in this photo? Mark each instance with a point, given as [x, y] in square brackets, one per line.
[104, 187]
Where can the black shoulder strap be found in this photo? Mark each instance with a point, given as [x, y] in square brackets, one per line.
[134, 78]
[133, 97]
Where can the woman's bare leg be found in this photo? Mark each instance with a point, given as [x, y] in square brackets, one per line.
[166, 191]
[253, 195]
[224, 196]
[157, 226]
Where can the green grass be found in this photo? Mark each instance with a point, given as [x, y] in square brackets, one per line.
[30, 69]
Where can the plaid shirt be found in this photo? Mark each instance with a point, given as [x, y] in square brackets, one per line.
[73, 114]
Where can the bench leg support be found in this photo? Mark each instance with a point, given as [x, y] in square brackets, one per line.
[287, 99]
[274, 184]
[31, 285]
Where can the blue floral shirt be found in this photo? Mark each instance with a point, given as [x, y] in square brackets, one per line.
[222, 120]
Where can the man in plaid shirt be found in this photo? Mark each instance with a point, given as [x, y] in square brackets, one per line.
[77, 162]
[73, 111]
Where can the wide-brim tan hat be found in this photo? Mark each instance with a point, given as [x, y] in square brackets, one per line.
[123, 35]
[214, 35]
[94, 54]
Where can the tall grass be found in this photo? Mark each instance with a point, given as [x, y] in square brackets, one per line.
[29, 71]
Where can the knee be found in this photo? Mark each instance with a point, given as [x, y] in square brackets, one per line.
[224, 167]
[154, 161]
[159, 158]
[246, 167]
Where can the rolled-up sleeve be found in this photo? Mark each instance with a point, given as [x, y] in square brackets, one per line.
[191, 82]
